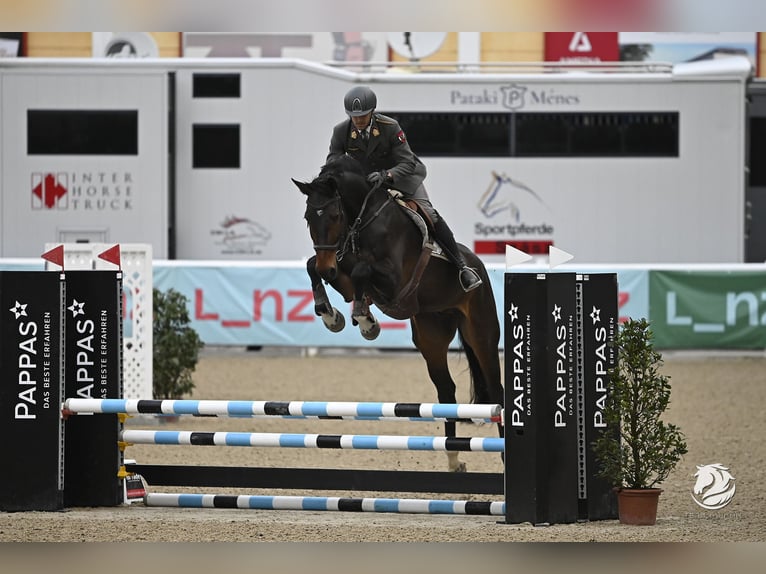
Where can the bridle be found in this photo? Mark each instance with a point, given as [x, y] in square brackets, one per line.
[318, 208]
[351, 234]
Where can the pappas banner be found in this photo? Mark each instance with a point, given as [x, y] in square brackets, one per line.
[708, 310]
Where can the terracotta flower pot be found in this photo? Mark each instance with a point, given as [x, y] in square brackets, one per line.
[638, 505]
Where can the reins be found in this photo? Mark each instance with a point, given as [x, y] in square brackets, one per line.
[352, 233]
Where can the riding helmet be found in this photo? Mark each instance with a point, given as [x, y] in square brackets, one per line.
[360, 101]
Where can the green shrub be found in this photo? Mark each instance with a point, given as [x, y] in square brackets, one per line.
[176, 346]
[641, 450]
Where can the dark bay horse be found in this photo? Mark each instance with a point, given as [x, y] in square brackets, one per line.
[370, 250]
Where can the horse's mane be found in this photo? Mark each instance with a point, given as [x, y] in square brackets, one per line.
[340, 166]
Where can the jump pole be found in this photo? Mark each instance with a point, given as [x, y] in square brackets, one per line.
[292, 440]
[320, 503]
[322, 409]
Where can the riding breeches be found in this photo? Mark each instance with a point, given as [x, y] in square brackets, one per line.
[421, 197]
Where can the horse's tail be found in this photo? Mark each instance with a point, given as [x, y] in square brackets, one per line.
[478, 380]
[483, 361]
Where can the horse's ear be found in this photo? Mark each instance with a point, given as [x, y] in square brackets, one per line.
[303, 186]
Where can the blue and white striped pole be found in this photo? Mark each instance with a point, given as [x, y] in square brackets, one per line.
[398, 505]
[290, 440]
[324, 409]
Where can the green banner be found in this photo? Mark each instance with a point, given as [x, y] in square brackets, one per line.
[708, 309]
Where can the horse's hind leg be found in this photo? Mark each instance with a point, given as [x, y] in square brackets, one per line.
[331, 317]
[432, 334]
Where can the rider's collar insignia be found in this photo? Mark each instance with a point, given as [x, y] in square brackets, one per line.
[375, 132]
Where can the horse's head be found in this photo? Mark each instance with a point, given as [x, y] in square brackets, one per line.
[326, 221]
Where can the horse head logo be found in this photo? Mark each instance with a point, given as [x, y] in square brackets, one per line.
[499, 196]
[714, 487]
[243, 232]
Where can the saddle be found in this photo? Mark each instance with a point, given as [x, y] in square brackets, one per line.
[421, 220]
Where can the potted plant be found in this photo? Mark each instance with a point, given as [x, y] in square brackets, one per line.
[175, 345]
[639, 449]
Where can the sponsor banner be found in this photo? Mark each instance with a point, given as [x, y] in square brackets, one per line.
[598, 321]
[272, 305]
[316, 46]
[512, 213]
[708, 310]
[262, 305]
[529, 246]
[30, 390]
[677, 47]
[266, 304]
[526, 486]
[562, 352]
[633, 293]
[581, 47]
[93, 311]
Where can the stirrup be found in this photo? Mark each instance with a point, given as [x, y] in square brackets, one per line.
[469, 279]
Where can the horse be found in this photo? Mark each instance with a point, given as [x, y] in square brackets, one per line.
[372, 250]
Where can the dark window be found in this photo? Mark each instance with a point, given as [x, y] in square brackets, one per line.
[215, 145]
[457, 134]
[484, 134]
[216, 85]
[536, 134]
[652, 134]
[82, 132]
[540, 135]
[757, 152]
[594, 135]
[597, 134]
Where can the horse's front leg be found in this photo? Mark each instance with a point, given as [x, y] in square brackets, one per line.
[331, 317]
[361, 315]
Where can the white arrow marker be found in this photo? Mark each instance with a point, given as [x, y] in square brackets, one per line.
[515, 256]
[557, 256]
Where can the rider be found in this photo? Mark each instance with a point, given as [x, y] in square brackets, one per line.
[378, 143]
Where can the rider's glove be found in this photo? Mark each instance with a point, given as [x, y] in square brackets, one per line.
[378, 177]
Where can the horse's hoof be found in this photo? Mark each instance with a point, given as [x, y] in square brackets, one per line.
[368, 325]
[372, 333]
[335, 321]
[461, 467]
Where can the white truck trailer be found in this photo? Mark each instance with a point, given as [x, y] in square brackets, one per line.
[614, 164]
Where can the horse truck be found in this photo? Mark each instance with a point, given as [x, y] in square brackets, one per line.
[628, 163]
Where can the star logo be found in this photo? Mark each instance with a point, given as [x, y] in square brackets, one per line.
[19, 310]
[514, 312]
[556, 313]
[595, 315]
[76, 308]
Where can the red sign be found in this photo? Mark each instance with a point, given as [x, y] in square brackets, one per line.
[582, 47]
[528, 246]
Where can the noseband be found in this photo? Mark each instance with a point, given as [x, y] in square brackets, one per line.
[319, 207]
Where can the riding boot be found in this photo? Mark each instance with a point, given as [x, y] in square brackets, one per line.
[468, 277]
